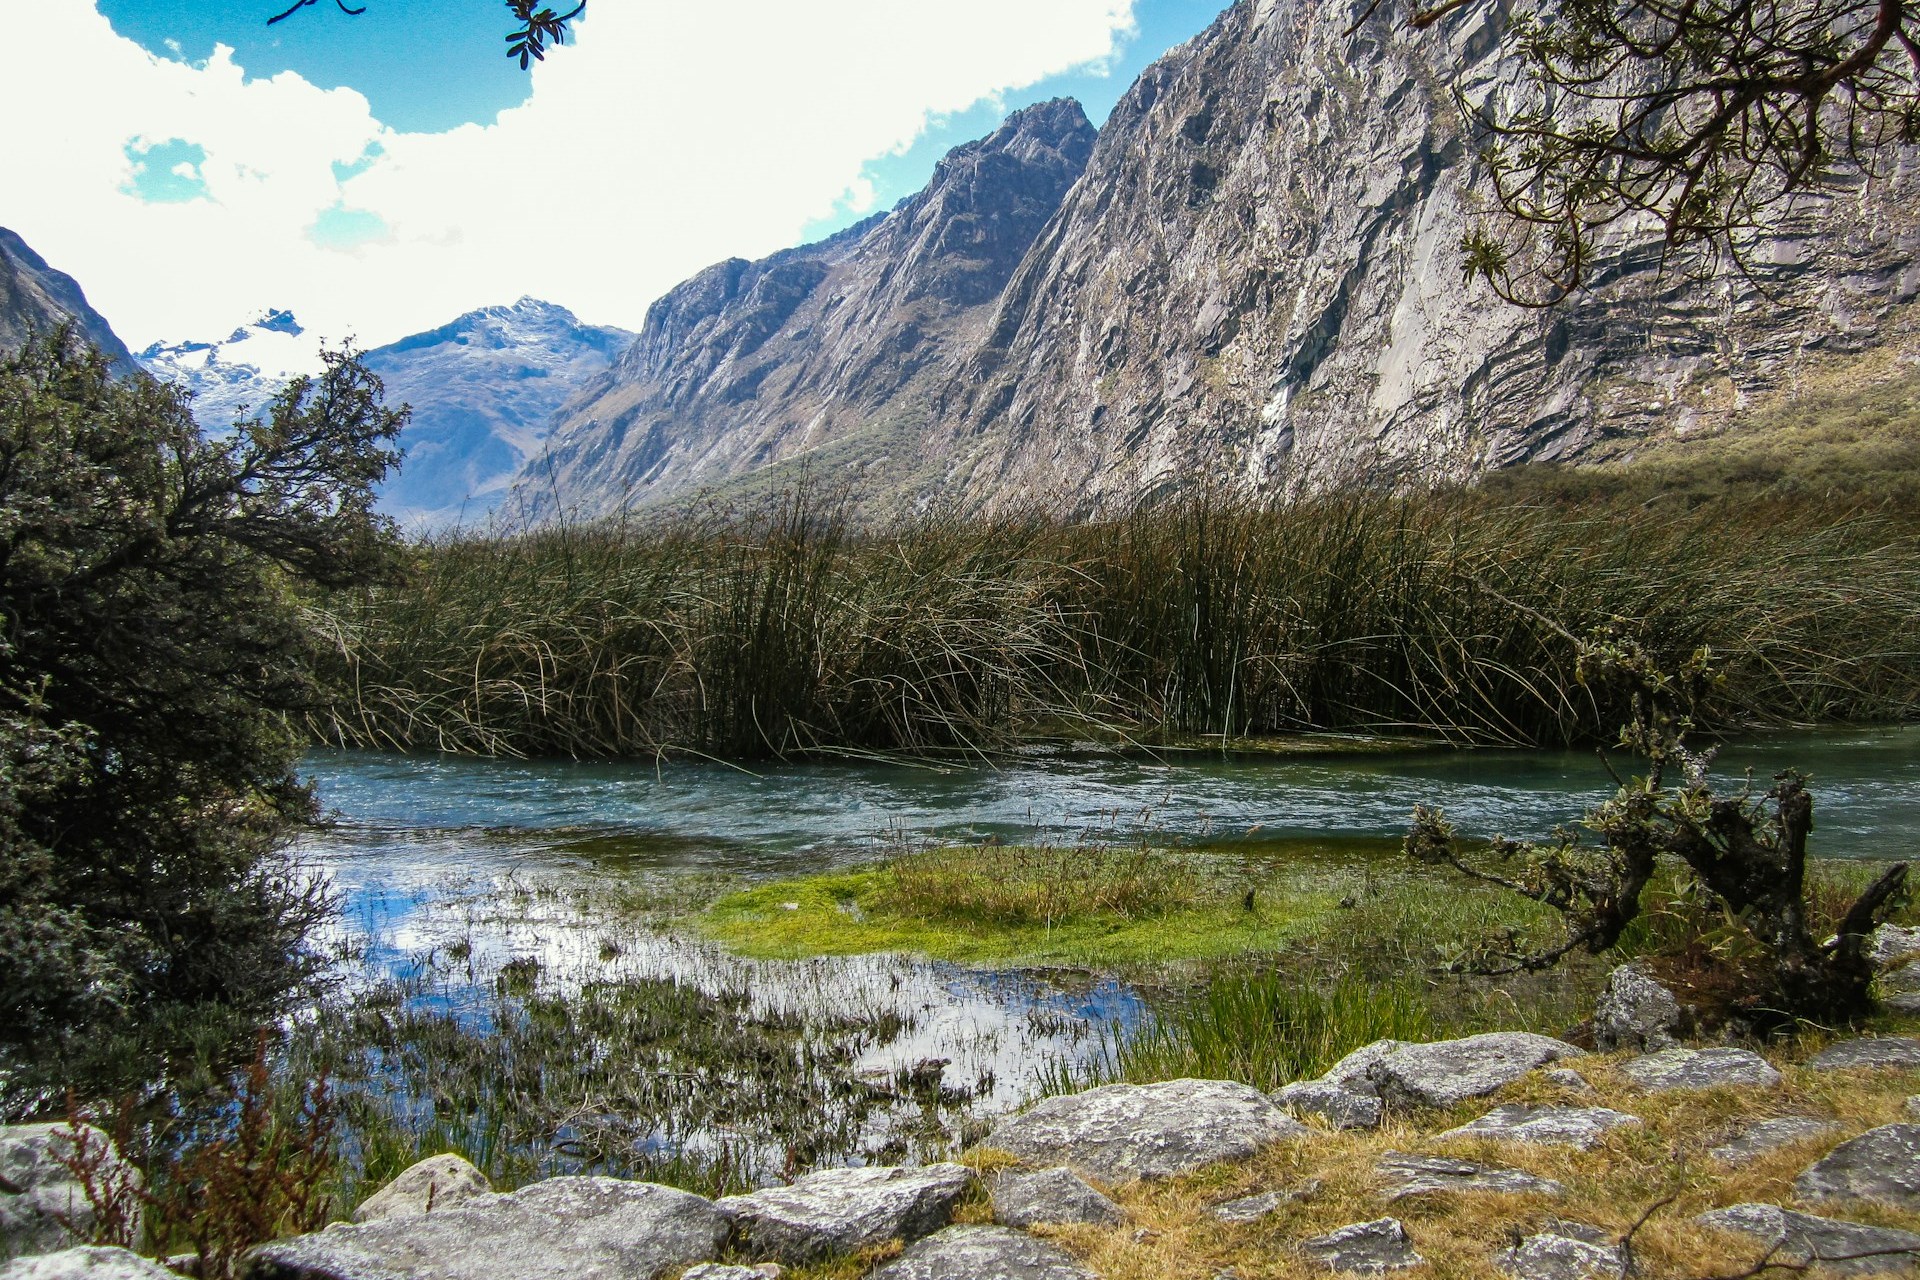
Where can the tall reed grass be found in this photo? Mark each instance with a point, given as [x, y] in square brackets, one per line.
[793, 630]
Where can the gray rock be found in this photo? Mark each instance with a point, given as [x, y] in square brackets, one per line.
[1355, 1071]
[33, 1219]
[1900, 990]
[1635, 1012]
[1873, 1051]
[1912, 1108]
[1762, 1136]
[89, 1263]
[1700, 1069]
[1250, 1208]
[1891, 942]
[1337, 1104]
[1124, 1131]
[1849, 1248]
[1564, 1251]
[1451, 1071]
[1050, 1195]
[560, 1229]
[1408, 1175]
[1569, 1079]
[1881, 1164]
[983, 1253]
[435, 1184]
[1365, 1248]
[724, 1271]
[1581, 1127]
[837, 1211]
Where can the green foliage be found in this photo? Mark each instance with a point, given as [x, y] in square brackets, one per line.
[151, 649]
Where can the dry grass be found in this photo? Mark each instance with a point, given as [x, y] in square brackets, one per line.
[1665, 1160]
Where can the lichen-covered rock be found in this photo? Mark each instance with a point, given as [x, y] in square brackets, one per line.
[560, 1229]
[727, 1271]
[1447, 1072]
[1355, 1071]
[1340, 1106]
[983, 1253]
[1569, 1079]
[1700, 1069]
[1635, 1012]
[1762, 1136]
[86, 1263]
[1406, 1175]
[1902, 1052]
[1797, 1239]
[35, 1217]
[837, 1211]
[435, 1184]
[1564, 1251]
[1891, 942]
[1050, 1195]
[1124, 1131]
[1364, 1248]
[1581, 1127]
[1900, 989]
[1881, 1164]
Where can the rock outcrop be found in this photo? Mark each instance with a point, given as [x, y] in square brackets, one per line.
[43, 1206]
[1635, 1012]
[1579, 1127]
[90, 1262]
[36, 298]
[1881, 1164]
[983, 1253]
[1700, 1069]
[837, 1211]
[433, 1185]
[1365, 1248]
[1050, 1196]
[1798, 1239]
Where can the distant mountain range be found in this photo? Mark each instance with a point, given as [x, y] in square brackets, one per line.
[35, 297]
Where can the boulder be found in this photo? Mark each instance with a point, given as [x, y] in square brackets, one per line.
[436, 1183]
[1339, 1105]
[1050, 1195]
[35, 1217]
[727, 1271]
[837, 1211]
[89, 1263]
[1762, 1136]
[1564, 1251]
[1365, 1248]
[1408, 1175]
[983, 1253]
[1635, 1012]
[1700, 1069]
[1124, 1131]
[1900, 990]
[1881, 1164]
[1581, 1127]
[1849, 1248]
[1447, 1072]
[1355, 1071]
[1891, 942]
[1901, 1052]
[560, 1229]
[1249, 1208]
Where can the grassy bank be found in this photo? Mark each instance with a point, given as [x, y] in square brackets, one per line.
[791, 630]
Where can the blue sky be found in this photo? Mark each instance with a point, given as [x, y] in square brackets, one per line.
[379, 174]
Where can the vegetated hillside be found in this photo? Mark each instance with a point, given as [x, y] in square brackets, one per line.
[36, 298]
[1257, 278]
[839, 344]
[484, 388]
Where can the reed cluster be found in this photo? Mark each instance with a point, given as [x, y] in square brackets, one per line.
[793, 630]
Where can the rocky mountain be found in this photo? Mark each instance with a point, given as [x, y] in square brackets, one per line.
[36, 298]
[238, 376]
[1256, 277]
[483, 388]
[836, 346]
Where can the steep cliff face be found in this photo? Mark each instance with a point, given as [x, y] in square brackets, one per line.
[754, 363]
[36, 298]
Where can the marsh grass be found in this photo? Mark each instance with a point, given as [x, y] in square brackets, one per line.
[1024, 885]
[790, 630]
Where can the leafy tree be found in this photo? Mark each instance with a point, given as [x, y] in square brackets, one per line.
[152, 650]
[1697, 120]
[527, 42]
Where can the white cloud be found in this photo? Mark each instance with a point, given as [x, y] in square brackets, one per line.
[667, 136]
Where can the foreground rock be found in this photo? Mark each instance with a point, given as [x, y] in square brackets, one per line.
[1365, 1248]
[983, 1253]
[1581, 1127]
[90, 1263]
[1900, 990]
[1849, 1248]
[436, 1183]
[1125, 1131]
[1762, 1136]
[560, 1229]
[1635, 1012]
[1564, 1251]
[727, 1271]
[1447, 1072]
[837, 1211]
[1891, 942]
[1050, 1195]
[1407, 1175]
[1340, 1105]
[1700, 1069]
[36, 1217]
[1881, 1164]
[1871, 1052]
